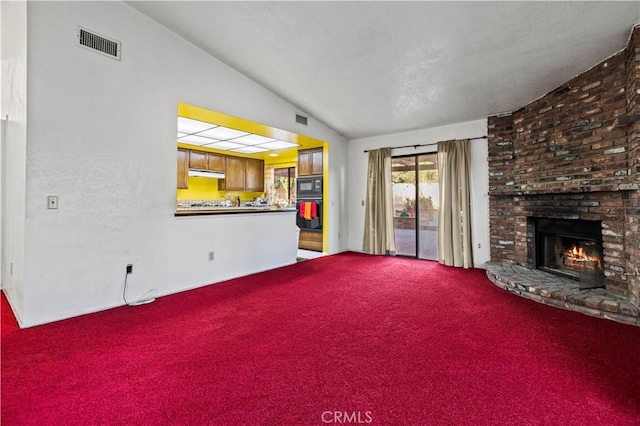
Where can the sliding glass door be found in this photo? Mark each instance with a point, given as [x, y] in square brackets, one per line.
[415, 205]
[403, 178]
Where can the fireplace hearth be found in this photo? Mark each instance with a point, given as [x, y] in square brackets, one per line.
[570, 248]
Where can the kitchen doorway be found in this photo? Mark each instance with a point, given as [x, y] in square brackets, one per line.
[415, 205]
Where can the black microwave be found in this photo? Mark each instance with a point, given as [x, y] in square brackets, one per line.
[309, 187]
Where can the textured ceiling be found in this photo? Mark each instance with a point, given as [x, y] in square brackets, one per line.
[373, 68]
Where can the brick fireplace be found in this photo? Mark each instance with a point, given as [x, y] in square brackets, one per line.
[573, 155]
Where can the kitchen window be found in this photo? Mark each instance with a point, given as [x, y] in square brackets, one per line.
[284, 183]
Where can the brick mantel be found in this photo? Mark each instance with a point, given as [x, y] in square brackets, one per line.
[573, 154]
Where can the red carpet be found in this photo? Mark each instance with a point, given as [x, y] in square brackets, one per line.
[386, 341]
[8, 321]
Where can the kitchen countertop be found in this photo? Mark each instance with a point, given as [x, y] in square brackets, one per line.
[231, 210]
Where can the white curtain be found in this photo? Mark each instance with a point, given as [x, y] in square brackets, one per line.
[378, 222]
[454, 224]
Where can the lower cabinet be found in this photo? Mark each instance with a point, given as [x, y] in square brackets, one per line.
[310, 240]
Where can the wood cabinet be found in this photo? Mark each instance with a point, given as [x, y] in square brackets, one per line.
[310, 240]
[241, 174]
[310, 162]
[202, 160]
[316, 162]
[304, 163]
[254, 175]
[216, 162]
[198, 160]
[234, 174]
[183, 168]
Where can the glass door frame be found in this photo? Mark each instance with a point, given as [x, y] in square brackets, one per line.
[416, 202]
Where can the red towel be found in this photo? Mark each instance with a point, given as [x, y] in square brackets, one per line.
[313, 209]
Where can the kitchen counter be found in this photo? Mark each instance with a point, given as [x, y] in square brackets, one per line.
[220, 243]
[231, 210]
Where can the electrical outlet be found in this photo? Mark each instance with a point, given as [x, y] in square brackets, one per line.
[479, 245]
[211, 256]
[129, 269]
[52, 202]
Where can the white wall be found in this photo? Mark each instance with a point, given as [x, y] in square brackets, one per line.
[357, 177]
[101, 136]
[2, 143]
[479, 152]
[338, 198]
[13, 105]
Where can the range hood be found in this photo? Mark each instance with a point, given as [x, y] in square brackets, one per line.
[206, 174]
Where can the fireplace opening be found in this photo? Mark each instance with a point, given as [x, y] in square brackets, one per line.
[571, 248]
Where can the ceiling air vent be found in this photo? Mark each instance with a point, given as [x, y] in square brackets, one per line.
[97, 43]
[301, 119]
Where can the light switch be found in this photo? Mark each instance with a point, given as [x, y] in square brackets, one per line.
[52, 202]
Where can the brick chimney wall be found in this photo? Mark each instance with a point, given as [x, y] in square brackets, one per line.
[632, 213]
[573, 154]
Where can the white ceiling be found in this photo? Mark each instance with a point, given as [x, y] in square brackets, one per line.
[372, 68]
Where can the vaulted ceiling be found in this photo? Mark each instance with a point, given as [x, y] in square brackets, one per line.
[372, 68]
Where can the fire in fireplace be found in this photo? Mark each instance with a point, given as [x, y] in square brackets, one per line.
[576, 257]
[572, 248]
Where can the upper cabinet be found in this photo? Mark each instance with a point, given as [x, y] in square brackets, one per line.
[183, 168]
[254, 175]
[241, 174]
[216, 162]
[304, 163]
[234, 174]
[316, 161]
[310, 162]
[198, 160]
[201, 160]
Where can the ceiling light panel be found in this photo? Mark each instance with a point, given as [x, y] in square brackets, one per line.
[278, 145]
[225, 145]
[250, 149]
[253, 140]
[197, 140]
[188, 125]
[222, 133]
